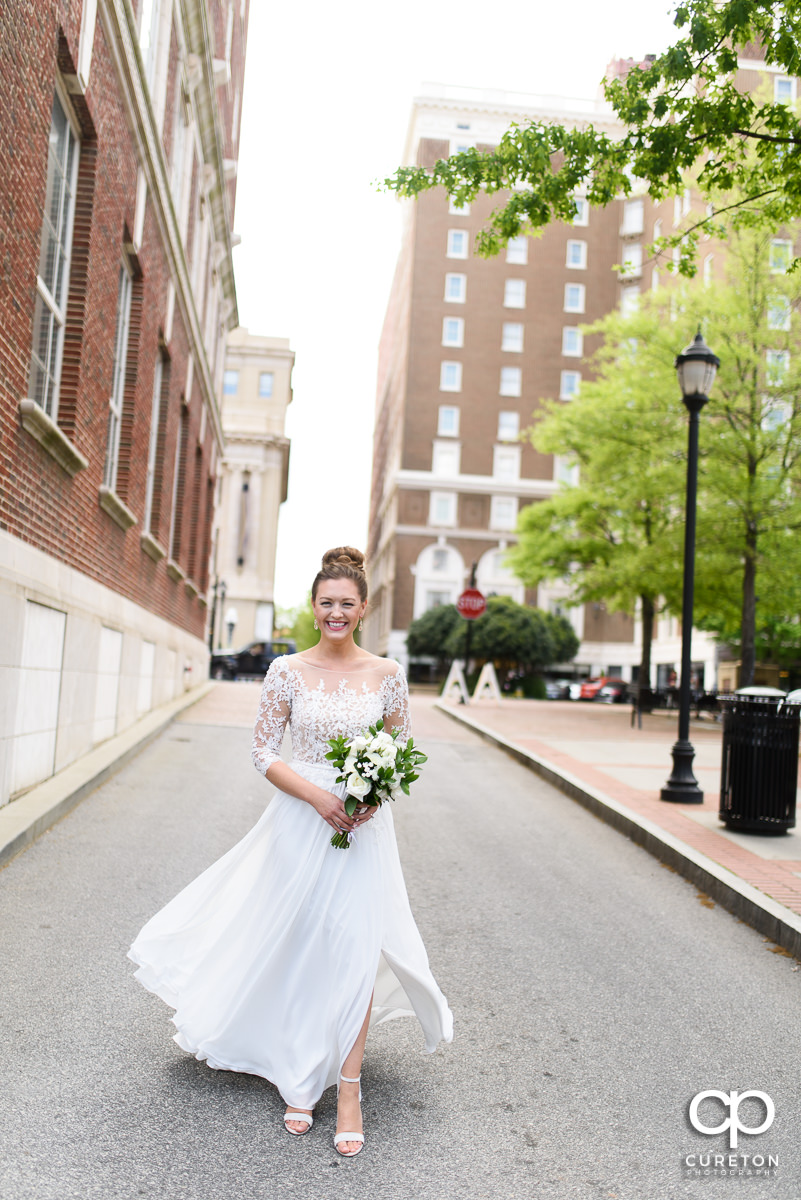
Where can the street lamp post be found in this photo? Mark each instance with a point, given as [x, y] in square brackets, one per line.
[696, 368]
[217, 590]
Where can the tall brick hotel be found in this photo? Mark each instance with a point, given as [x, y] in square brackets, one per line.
[119, 149]
[471, 346]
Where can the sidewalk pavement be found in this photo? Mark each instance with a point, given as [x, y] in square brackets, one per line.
[592, 753]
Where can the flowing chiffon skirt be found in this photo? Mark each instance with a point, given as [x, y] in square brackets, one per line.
[270, 956]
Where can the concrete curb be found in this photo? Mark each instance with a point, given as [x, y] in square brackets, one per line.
[23, 820]
[752, 906]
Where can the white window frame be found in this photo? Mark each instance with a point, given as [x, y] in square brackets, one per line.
[445, 369]
[633, 216]
[50, 311]
[512, 337]
[511, 382]
[226, 373]
[503, 513]
[457, 338]
[774, 359]
[629, 300]
[564, 472]
[458, 243]
[779, 305]
[116, 397]
[514, 293]
[566, 378]
[450, 279]
[708, 268]
[580, 247]
[449, 499]
[572, 341]
[779, 262]
[777, 81]
[268, 394]
[506, 462]
[446, 412]
[581, 297]
[631, 261]
[517, 250]
[508, 426]
[446, 459]
[582, 216]
[153, 441]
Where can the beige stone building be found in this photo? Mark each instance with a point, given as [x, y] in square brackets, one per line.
[257, 389]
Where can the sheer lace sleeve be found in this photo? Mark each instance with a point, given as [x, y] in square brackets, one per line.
[274, 709]
[396, 704]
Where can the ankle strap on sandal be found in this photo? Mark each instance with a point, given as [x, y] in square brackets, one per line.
[345, 1079]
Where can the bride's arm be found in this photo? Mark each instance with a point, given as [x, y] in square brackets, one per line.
[275, 707]
[396, 704]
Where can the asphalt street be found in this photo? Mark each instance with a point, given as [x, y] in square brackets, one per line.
[595, 994]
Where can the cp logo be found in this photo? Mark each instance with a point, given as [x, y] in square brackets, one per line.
[732, 1101]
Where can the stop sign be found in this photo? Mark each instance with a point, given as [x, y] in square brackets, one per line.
[471, 604]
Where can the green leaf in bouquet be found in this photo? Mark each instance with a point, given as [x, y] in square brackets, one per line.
[351, 804]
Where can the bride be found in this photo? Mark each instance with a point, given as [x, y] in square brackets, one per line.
[279, 957]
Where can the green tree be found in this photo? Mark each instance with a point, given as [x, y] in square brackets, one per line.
[515, 637]
[683, 113]
[617, 534]
[428, 635]
[299, 622]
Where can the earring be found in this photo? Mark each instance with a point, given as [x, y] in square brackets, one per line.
[361, 625]
[316, 626]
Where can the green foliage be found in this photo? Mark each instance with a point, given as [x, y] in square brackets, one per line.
[682, 114]
[300, 623]
[429, 634]
[514, 636]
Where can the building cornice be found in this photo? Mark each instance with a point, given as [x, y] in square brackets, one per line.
[120, 23]
[482, 485]
[453, 533]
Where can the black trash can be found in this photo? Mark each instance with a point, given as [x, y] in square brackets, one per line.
[759, 771]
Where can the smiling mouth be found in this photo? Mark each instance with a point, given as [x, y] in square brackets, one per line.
[337, 624]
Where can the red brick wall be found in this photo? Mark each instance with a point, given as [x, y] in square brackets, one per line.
[39, 501]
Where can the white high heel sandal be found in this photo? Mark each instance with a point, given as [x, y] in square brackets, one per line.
[293, 1115]
[349, 1137]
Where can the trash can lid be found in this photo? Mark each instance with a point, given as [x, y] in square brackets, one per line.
[760, 691]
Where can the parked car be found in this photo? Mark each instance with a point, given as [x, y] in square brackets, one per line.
[613, 692]
[591, 687]
[557, 689]
[251, 662]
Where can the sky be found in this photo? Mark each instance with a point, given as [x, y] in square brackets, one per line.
[326, 108]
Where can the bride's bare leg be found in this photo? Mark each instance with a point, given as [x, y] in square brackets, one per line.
[349, 1112]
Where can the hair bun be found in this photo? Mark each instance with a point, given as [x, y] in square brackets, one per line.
[344, 556]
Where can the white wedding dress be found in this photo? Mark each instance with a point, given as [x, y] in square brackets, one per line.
[270, 956]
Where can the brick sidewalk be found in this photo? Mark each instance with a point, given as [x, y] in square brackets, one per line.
[595, 743]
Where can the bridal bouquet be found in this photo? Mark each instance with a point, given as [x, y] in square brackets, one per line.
[374, 767]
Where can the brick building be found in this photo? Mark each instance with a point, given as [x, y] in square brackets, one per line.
[119, 142]
[469, 349]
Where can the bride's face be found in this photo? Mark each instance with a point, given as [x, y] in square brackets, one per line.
[337, 607]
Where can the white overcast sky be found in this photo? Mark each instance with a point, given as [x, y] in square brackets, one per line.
[328, 93]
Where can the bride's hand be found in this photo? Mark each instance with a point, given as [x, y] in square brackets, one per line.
[332, 809]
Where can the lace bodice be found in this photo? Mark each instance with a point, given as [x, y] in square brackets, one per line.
[319, 704]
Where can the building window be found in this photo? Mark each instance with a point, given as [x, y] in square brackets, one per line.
[629, 300]
[632, 261]
[512, 339]
[54, 262]
[569, 382]
[517, 251]
[506, 462]
[439, 558]
[436, 599]
[633, 214]
[445, 459]
[155, 424]
[450, 377]
[508, 426]
[779, 313]
[503, 512]
[442, 509]
[514, 293]
[148, 36]
[457, 243]
[655, 279]
[574, 297]
[572, 342]
[458, 210]
[456, 288]
[448, 421]
[781, 250]
[565, 471]
[576, 256]
[657, 230]
[266, 379]
[582, 216]
[452, 331]
[778, 364]
[783, 90]
[708, 261]
[511, 381]
[230, 383]
[118, 378]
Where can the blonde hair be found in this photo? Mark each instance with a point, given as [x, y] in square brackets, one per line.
[343, 562]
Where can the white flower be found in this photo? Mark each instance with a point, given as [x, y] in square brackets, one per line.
[356, 786]
[358, 743]
[351, 763]
[383, 740]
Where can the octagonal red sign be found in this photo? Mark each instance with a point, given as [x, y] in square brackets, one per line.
[471, 604]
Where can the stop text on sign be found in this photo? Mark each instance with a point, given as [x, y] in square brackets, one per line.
[471, 604]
